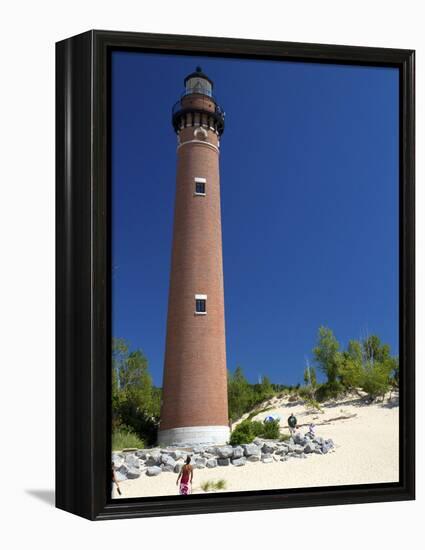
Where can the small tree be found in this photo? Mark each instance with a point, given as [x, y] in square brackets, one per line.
[240, 394]
[310, 379]
[327, 354]
[135, 403]
[351, 373]
[377, 379]
[266, 389]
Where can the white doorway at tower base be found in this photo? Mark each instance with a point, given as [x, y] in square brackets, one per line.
[192, 435]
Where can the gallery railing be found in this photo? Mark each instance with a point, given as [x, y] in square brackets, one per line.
[181, 109]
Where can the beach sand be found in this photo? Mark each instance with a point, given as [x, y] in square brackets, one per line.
[366, 451]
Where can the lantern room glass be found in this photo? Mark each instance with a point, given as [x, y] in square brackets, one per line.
[198, 85]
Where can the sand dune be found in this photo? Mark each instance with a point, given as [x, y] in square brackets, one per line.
[365, 437]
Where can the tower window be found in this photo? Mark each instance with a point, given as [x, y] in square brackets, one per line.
[200, 304]
[200, 186]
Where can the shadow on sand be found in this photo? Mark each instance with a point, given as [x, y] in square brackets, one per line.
[391, 404]
[45, 495]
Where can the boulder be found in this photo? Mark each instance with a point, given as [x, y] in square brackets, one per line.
[268, 448]
[309, 448]
[223, 461]
[154, 459]
[117, 459]
[300, 439]
[198, 449]
[142, 454]
[281, 451]
[238, 452]
[254, 458]
[266, 459]
[225, 452]
[133, 473]
[167, 467]
[168, 460]
[210, 450]
[252, 450]
[208, 455]
[176, 454]
[212, 463]
[120, 477]
[200, 463]
[178, 467]
[123, 469]
[298, 449]
[118, 463]
[153, 471]
[241, 461]
[132, 461]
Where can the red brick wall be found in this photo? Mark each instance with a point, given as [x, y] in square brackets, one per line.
[195, 377]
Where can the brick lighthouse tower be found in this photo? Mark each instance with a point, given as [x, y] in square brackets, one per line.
[194, 405]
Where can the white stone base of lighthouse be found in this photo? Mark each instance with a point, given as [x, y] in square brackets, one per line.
[192, 435]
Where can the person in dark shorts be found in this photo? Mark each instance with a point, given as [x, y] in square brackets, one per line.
[292, 423]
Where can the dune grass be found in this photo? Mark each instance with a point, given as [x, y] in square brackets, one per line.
[123, 439]
[218, 485]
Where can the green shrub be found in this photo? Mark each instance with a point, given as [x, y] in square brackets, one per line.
[271, 430]
[284, 437]
[257, 427]
[243, 433]
[247, 431]
[124, 437]
[329, 390]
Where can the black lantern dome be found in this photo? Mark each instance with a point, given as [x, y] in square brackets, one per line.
[198, 83]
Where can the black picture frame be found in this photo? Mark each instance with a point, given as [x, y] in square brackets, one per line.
[83, 285]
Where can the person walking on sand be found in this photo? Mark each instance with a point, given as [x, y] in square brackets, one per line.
[114, 480]
[185, 477]
[292, 423]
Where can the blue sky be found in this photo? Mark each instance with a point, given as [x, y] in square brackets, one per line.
[309, 183]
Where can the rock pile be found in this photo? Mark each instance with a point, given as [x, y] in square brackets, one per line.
[152, 462]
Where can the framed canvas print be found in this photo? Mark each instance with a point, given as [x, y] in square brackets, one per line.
[235, 275]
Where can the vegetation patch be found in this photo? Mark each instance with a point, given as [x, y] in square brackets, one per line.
[366, 365]
[124, 438]
[218, 485]
[135, 401]
[248, 430]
